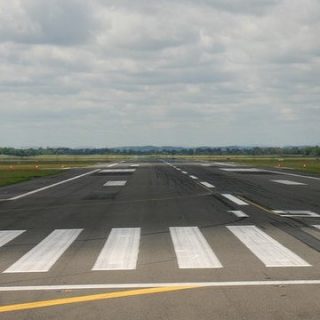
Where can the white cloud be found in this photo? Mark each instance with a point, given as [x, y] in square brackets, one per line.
[75, 72]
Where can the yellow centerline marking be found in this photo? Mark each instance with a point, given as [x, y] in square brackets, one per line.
[88, 298]
[255, 204]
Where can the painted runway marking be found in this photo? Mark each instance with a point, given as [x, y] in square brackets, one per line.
[113, 183]
[184, 172]
[51, 185]
[43, 256]
[239, 213]
[192, 249]
[234, 199]
[289, 182]
[117, 170]
[207, 184]
[120, 251]
[317, 226]
[265, 248]
[135, 165]
[8, 235]
[88, 298]
[95, 286]
[243, 170]
[193, 177]
[296, 213]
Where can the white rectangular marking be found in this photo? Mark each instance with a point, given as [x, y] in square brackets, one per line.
[265, 248]
[207, 184]
[193, 177]
[8, 235]
[289, 182]
[135, 165]
[192, 249]
[120, 251]
[239, 213]
[184, 172]
[44, 255]
[297, 213]
[235, 199]
[117, 170]
[317, 226]
[118, 183]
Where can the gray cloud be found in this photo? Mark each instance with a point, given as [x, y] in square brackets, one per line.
[98, 73]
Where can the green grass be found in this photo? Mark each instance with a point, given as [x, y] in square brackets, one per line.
[15, 169]
[11, 176]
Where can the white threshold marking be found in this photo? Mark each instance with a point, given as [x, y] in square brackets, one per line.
[120, 251]
[193, 177]
[289, 182]
[8, 235]
[44, 255]
[113, 183]
[51, 185]
[296, 213]
[184, 172]
[207, 184]
[117, 170]
[265, 248]
[160, 285]
[239, 213]
[317, 226]
[192, 249]
[234, 199]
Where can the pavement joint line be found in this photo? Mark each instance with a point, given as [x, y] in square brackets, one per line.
[90, 298]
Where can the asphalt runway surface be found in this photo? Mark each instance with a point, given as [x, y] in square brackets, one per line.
[161, 239]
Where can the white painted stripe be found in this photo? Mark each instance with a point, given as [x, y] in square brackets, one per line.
[8, 235]
[112, 165]
[120, 251]
[239, 213]
[192, 249]
[289, 182]
[268, 250]
[297, 213]
[235, 199]
[184, 172]
[243, 170]
[317, 226]
[159, 285]
[193, 177]
[135, 165]
[51, 185]
[207, 184]
[294, 175]
[117, 170]
[44, 255]
[113, 183]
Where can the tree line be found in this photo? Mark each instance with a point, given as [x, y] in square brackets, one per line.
[255, 151]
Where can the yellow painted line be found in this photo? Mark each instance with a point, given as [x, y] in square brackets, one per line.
[88, 298]
[255, 204]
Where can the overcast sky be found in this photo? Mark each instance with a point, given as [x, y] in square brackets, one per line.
[166, 72]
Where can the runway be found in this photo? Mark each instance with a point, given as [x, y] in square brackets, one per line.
[209, 240]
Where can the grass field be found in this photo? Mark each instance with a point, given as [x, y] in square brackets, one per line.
[14, 170]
